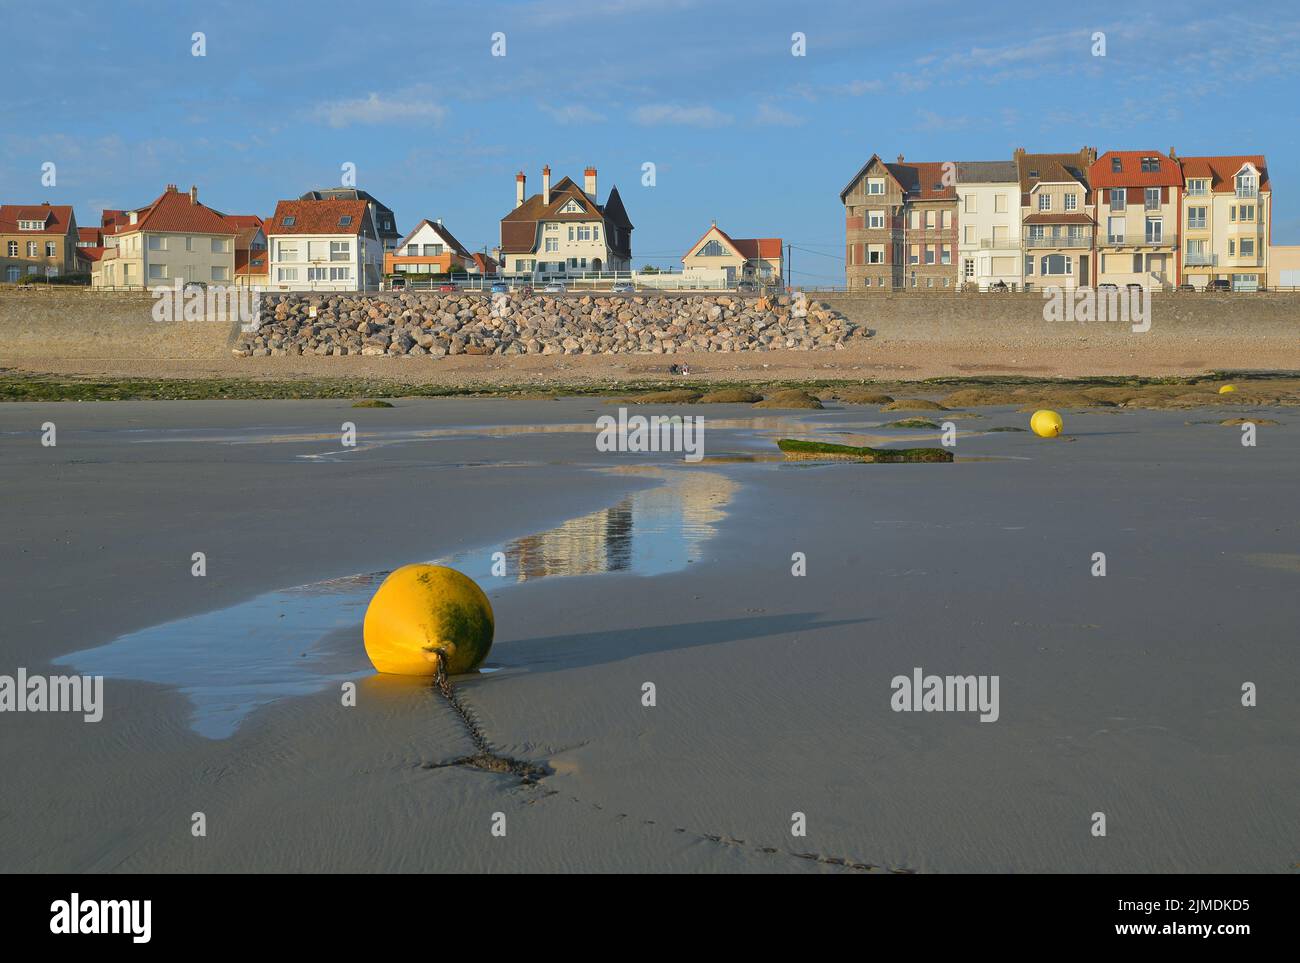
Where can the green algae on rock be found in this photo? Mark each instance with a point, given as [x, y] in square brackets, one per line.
[798, 450]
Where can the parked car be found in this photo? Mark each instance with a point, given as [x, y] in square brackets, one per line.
[1108, 286]
[998, 286]
[446, 288]
[556, 287]
[1219, 284]
[623, 288]
[499, 287]
[747, 287]
[1187, 286]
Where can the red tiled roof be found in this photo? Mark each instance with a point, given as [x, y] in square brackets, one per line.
[317, 217]
[90, 253]
[89, 234]
[1071, 217]
[746, 247]
[173, 212]
[55, 217]
[1131, 174]
[487, 265]
[923, 181]
[251, 266]
[1222, 170]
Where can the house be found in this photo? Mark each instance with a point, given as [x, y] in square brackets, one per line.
[564, 230]
[38, 239]
[252, 268]
[484, 264]
[988, 204]
[174, 238]
[1227, 220]
[718, 257]
[385, 222]
[900, 226]
[429, 249]
[1136, 204]
[327, 245]
[1057, 230]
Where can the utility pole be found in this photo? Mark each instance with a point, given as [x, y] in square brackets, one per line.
[789, 266]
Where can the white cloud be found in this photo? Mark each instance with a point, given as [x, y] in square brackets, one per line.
[697, 116]
[417, 103]
[573, 114]
[770, 116]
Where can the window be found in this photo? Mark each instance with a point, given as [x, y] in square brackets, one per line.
[945, 254]
[595, 233]
[51, 249]
[287, 274]
[1151, 165]
[929, 282]
[914, 255]
[340, 274]
[713, 249]
[13, 273]
[1196, 218]
[876, 219]
[946, 220]
[1058, 264]
[1044, 202]
[340, 250]
[552, 245]
[573, 207]
[157, 243]
[1118, 197]
[1155, 230]
[1232, 246]
[916, 220]
[317, 273]
[1037, 232]
[875, 254]
[968, 234]
[1247, 212]
[31, 225]
[189, 243]
[289, 221]
[1247, 247]
[1198, 187]
[999, 204]
[1115, 230]
[221, 274]
[157, 272]
[1071, 202]
[12, 248]
[220, 245]
[929, 220]
[32, 248]
[1137, 263]
[435, 250]
[970, 204]
[875, 186]
[345, 220]
[287, 252]
[929, 253]
[1116, 165]
[1246, 185]
[1151, 199]
[573, 262]
[412, 250]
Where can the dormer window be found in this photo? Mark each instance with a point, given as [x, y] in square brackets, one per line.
[1044, 202]
[31, 225]
[573, 207]
[1247, 184]
[345, 220]
[290, 220]
[712, 249]
[1116, 165]
[1033, 173]
[1151, 165]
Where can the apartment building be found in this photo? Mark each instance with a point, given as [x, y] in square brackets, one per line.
[1137, 197]
[900, 226]
[1227, 221]
[382, 215]
[175, 237]
[988, 205]
[564, 230]
[1058, 231]
[329, 245]
[38, 239]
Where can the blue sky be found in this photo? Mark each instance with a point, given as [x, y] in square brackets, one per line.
[738, 129]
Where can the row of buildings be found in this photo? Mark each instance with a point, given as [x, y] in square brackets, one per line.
[343, 239]
[1060, 220]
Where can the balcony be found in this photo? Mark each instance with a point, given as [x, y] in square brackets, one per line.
[1140, 240]
[1057, 241]
[1200, 259]
[1247, 192]
[999, 244]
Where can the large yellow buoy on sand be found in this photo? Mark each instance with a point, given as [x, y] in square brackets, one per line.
[424, 614]
[1227, 389]
[1046, 423]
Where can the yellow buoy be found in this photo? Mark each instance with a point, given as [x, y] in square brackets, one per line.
[1046, 423]
[426, 613]
[1227, 388]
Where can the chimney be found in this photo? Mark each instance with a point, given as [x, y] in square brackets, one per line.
[171, 188]
[589, 181]
[1172, 154]
[546, 184]
[900, 158]
[194, 194]
[1019, 152]
[519, 189]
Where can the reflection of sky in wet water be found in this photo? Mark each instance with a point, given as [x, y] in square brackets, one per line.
[231, 661]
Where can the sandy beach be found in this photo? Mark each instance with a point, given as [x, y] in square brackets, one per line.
[1119, 694]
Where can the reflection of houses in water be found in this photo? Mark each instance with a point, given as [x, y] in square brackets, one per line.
[659, 529]
[599, 542]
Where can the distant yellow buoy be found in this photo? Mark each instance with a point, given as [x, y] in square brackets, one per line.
[1046, 423]
[426, 613]
[1227, 388]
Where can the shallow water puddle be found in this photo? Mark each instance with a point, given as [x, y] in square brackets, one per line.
[305, 639]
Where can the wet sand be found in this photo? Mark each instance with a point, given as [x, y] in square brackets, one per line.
[1118, 694]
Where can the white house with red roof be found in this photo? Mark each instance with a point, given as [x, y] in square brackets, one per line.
[1227, 215]
[1136, 196]
[719, 258]
[38, 239]
[174, 238]
[324, 245]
